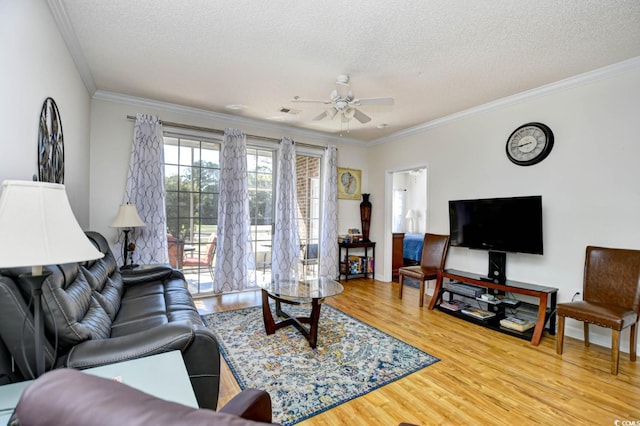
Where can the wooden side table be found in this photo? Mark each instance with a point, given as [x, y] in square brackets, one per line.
[343, 263]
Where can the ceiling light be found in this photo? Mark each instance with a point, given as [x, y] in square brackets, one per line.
[382, 125]
[347, 114]
[235, 107]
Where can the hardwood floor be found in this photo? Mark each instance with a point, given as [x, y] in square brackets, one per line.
[484, 377]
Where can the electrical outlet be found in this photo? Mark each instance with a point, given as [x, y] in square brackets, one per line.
[577, 295]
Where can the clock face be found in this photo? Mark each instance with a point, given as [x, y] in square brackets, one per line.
[529, 144]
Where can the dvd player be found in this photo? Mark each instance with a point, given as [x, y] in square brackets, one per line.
[463, 289]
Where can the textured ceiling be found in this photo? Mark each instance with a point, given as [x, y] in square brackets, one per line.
[434, 57]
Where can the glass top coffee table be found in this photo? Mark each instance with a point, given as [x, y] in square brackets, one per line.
[295, 292]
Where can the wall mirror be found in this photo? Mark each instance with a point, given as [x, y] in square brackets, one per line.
[50, 144]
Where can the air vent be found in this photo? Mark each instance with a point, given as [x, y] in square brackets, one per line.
[290, 111]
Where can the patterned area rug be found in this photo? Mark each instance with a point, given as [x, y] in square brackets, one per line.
[351, 359]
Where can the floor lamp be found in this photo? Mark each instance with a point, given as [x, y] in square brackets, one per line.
[127, 218]
[39, 228]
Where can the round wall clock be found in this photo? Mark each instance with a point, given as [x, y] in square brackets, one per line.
[50, 144]
[529, 144]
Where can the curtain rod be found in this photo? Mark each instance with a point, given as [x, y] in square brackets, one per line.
[221, 132]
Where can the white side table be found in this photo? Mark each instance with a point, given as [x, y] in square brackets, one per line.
[163, 375]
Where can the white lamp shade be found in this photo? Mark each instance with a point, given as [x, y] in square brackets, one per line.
[127, 217]
[411, 214]
[38, 226]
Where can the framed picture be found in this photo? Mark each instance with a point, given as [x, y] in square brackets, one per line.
[349, 181]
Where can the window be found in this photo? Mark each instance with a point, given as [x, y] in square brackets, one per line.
[192, 185]
[308, 195]
[260, 176]
[192, 177]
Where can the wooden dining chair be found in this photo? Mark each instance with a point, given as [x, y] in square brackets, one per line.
[434, 255]
[611, 298]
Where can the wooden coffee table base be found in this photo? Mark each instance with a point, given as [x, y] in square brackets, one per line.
[271, 326]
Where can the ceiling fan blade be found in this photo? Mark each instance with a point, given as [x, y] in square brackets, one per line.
[314, 101]
[330, 113]
[373, 101]
[319, 117]
[361, 116]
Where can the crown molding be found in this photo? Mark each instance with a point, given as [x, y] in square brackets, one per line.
[558, 86]
[227, 118]
[61, 18]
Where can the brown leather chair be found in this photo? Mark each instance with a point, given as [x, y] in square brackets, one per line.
[611, 298]
[434, 255]
[69, 397]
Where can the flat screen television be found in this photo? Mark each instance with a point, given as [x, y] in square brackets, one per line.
[497, 224]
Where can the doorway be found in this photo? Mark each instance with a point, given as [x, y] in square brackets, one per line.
[409, 204]
[407, 208]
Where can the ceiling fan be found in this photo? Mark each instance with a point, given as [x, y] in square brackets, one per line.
[344, 102]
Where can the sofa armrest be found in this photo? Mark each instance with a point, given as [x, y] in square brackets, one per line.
[250, 404]
[93, 353]
[155, 273]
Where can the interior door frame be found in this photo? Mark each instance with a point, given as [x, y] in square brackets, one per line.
[388, 223]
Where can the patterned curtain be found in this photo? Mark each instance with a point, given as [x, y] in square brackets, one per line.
[286, 242]
[145, 189]
[235, 263]
[329, 220]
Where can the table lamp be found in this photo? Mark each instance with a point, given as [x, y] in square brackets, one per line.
[411, 215]
[39, 228]
[127, 218]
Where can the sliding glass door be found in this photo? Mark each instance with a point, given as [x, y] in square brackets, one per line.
[192, 181]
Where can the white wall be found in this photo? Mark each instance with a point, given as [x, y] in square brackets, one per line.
[35, 65]
[112, 136]
[590, 183]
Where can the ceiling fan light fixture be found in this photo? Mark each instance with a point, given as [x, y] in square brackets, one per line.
[344, 103]
[348, 114]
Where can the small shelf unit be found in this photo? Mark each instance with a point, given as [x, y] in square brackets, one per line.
[343, 262]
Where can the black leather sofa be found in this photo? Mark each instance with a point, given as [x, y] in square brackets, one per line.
[94, 315]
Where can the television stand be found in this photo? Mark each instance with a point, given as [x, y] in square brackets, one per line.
[546, 307]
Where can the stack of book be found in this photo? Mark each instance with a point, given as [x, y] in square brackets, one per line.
[518, 324]
[359, 264]
[454, 305]
[478, 313]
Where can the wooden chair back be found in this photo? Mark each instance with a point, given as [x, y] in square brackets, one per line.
[434, 251]
[612, 276]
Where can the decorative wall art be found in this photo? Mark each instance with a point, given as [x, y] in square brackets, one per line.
[50, 144]
[349, 183]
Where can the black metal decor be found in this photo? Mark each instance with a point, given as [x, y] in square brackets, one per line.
[50, 144]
